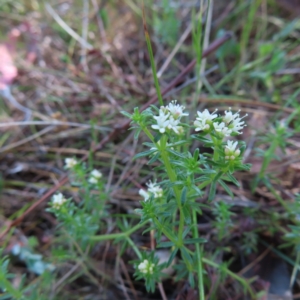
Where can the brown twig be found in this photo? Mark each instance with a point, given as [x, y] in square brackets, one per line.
[118, 129]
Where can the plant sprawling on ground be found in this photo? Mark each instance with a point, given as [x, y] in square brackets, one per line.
[199, 199]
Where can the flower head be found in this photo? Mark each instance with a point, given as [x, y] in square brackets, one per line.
[229, 116]
[237, 125]
[204, 120]
[144, 194]
[162, 121]
[233, 121]
[70, 163]
[173, 125]
[146, 267]
[153, 189]
[176, 110]
[230, 150]
[95, 176]
[58, 200]
[222, 129]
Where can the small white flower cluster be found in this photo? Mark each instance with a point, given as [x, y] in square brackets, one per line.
[146, 267]
[231, 123]
[153, 189]
[58, 200]
[70, 163]
[231, 152]
[204, 120]
[95, 176]
[169, 118]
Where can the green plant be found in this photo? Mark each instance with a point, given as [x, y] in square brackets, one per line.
[166, 24]
[171, 207]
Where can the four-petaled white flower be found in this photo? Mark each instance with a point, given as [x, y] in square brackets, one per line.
[236, 125]
[95, 176]
[234, 121]
[173, 125]
[153, 189]
[204, 120]
[146, 267]
[144, 194]
[162, 121]
[169, 118]
[222, 129]
[58, 200]
[70, 163]
[176, 110]
[230, 150]
[229, 116]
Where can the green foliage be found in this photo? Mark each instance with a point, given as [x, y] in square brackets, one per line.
[276, 138]
[184, 175]
[166, 24]
[223, 221]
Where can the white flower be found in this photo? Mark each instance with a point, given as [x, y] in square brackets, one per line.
[70, 163]
[173, 124]
[176, 110]
[231, 145]
[229, 116]
[222, 129]
[155, 189]
[146, 267]
[230, 150]
[233, 121]
[144, 194]
[58, 200]
[237, 125]
[95, 176]
[162, 121]
[204, 120]
[200, 125]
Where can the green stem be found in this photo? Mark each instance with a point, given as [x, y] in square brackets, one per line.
[134, 247]
[173, 178]
[230, 273]
[199, 258]
[160, 100]
[113, 236]
[217, 144]
[244, 41]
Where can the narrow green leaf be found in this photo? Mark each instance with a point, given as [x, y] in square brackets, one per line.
[143, 154]
[165, 245]
[176, 153]
[232, 179]
[172, 256]
[137, 133]
[212, 191]
[226, 188]
[195, 241]
[186, 257]
[154, 158]
[126, 114]
[187, 214]
[183, 195]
